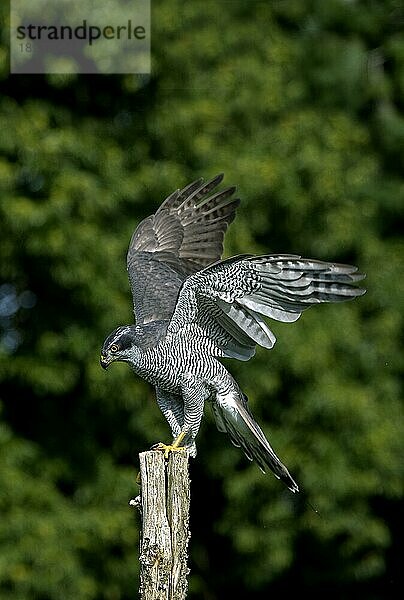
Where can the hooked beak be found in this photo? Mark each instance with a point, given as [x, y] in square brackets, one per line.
[105, 361]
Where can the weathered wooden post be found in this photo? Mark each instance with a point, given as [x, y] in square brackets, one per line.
[164, 507]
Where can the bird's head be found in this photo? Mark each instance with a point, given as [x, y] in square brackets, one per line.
[121, 344]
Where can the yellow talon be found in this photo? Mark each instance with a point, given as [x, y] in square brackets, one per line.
[169, 448]
[174, 447]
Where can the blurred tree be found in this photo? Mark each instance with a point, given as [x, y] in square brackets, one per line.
[301, 105]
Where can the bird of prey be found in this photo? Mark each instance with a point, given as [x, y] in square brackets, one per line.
[192, 309]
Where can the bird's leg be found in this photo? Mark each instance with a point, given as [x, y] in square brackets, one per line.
[172, 407]
[194, 394]
[174, 447]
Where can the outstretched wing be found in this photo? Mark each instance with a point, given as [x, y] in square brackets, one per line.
[222, 304]
[183, 236]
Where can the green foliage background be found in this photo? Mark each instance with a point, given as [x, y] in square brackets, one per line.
[300, 103]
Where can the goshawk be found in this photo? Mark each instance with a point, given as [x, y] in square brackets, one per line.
[192, 309]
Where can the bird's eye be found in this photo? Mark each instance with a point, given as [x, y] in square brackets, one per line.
[114, 348]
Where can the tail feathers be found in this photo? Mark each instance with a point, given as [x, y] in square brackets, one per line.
[233, 417]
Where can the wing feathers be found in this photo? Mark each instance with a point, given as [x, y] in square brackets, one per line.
[184, 235]
[177, 197]
[277, 286]
[250, 323]
[200, 191]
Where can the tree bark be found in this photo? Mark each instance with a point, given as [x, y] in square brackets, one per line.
[165, 499]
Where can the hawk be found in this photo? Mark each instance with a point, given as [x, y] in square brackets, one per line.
[192, 309]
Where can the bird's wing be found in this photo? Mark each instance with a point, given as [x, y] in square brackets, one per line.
[183, 236]
[223, 302]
